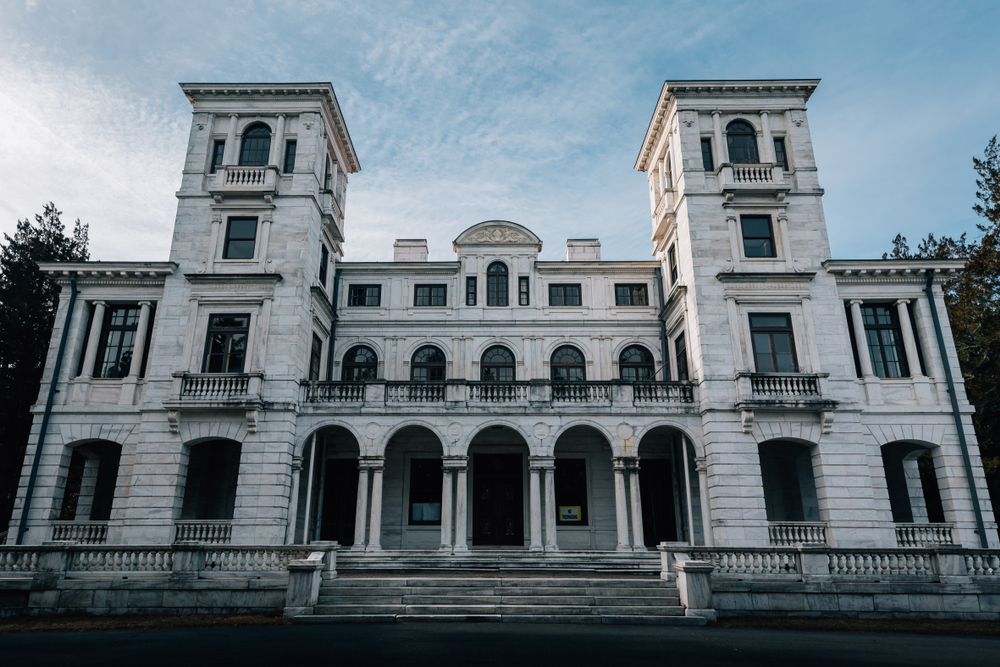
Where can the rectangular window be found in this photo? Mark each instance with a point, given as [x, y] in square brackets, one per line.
[315, 357]
[114, 356]
[672, 264]
[364, 295]
[885, 342]
[706, 154]
[773, 343]
[631, 295]
[564, 295]
[758, 237]
[226, 348]
[425, 492]
[470, 291]
[681, 357]
[218, 151]
[571, 492]
[324, 259]
[289, 165]
[780, 156]
[522, 291]
[430, 295]
[328, 176]
[241, 236]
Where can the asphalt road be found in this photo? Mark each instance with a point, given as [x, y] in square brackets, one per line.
[508, 644]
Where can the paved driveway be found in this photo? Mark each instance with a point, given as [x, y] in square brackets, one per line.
[511, 645]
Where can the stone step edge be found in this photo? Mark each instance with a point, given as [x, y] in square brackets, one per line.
[318, 619]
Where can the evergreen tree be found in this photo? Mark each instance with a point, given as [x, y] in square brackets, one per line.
[27, 309]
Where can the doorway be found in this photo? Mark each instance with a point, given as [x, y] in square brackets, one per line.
[656, 491]
[340, 500]
[498, 502]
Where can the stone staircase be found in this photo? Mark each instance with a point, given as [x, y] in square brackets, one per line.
[484, 598]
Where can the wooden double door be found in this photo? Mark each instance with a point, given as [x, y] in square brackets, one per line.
[498, 500]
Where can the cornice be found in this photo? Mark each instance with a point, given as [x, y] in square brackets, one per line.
[892, 270]
[233, 278]
[764, 277]
[108, 273]
[398, 268]
[598, 267]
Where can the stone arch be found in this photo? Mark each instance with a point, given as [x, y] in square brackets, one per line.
[462, 447]
[477, 352]
[605, 432]
[89, 479]
[798, 431]
[929, 435]
[211, 478]
[73, 434]
[385, 438]
[911, 470]
[327, 488]
[553, 345]
[788, 478]
[245, 123]
[347, 344]
[651, 346]
[234, 428]
[316, 428]
[693, 438]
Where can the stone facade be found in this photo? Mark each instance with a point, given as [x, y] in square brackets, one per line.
[741, 389]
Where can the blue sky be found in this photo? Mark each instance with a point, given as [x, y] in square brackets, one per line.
[467, 111]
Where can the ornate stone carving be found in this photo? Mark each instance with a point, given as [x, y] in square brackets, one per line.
[174, 421]
[498, 235]
[746, 417]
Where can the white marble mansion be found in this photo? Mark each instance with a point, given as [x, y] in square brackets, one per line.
[740, 388]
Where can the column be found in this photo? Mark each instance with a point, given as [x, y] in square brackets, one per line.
[230, 154]
[765, 126]
[701, 465]
[293, 504]
[277, 143]
[551, 543]
[535, 504]
[139, 346]
[721, 154]
[860, 340]
[94, 340]
[638, 544]
[621, 505]
[461, 505]
[361, 510]
[687, 488]
[375, 529]
[446, 513]
[909, 341]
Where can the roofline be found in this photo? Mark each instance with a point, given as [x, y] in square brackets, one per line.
[191, 90]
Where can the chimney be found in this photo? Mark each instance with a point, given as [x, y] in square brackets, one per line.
[409, 250]
[583, 250]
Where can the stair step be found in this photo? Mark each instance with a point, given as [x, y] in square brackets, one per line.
[506, 618]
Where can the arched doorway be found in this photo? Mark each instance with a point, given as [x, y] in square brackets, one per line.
[412, 496]
[669, 493]
[584, 490]
[498, 458]
[328, 495]
[91, 481]
[911, 480]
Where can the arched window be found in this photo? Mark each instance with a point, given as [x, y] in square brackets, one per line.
[789, 486]
[911, 480]
[568, 365]
[427, 365]
[635, 364]
[360, 364]
[496, 284]
[497, 365]
[90, 484]
[256, 145]
[742, 141]
[212, 474]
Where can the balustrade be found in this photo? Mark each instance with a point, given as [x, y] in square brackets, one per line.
[923, 534]
[208, 532]
[212, 386]
[19, 559]
[789, 533]
[753, 173]
[978, 563]
[662, 392]
[252, 559]
[498, 392]
[246, 176]
[122, 559]
[344, 392]
[414, 392]
[881, 563]
[777, 384]
[581, 392]
[83, 532]
[748, 561]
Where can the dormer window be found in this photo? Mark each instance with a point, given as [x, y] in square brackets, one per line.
[256, 146]
[742, 141]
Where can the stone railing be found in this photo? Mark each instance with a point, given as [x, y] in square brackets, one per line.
[748, 561]
[215, 386]
[250, 177]
[121, 559]
[206, 532]
[499, 392]
[753, 173]
[82, 532]
[981, 563]
[19, 559]
[780, 384]
[235, 178]
[923, 534]
[792, 533]
[882, 562]
[339, 392]
[414, 392]
[662, 392]
[252, 559]
[581, 392]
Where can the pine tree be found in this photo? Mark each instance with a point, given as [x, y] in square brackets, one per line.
[27, 309]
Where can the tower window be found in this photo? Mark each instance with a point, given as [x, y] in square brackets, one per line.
[241, 236]
[114, 357]
[885, 342]
[742, 140]
[256, 146]
[324, 259]
[564, 295]
[315, 356]
[289, 165]
[496, 284]
[218, 151]
[430, 295]
[226, 348]
[758, 237]
[470, 291]
[672, 263]
[706, 154]
[773, 343]
[631, 295]
[522, 291]
[780, 156]
[681, 357]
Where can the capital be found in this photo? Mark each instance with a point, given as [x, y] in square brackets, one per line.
[857, 302]
[900, 302]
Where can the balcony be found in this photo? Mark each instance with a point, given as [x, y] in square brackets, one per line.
[753, 179]
[232, 180]
[662, 392]
[80, 532]
[499, 392]
[205, 532]
[414, 392]
[333, 214]
[784, 391]
[794, 533]
[923, 534]
[215, 391]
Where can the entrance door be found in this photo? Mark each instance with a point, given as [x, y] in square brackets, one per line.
[498, 503]
[340, 499]
[656, 490]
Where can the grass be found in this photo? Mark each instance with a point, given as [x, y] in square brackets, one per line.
[136, 622]
[907, 626]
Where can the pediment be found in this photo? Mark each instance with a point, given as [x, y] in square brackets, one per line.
[498, 232]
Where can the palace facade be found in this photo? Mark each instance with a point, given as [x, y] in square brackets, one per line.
[741, 388]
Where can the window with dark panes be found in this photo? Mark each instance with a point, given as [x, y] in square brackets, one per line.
[360, 364]
[497, 365]
[742, 141]
[773, 343]
[430, 295]
[256, 146]
[324, 260]
[427, 365]
[780, 156]
[672, 264]
[681, 358]
[496, 284]
[568, 365]
[631, 295]
[635, 364]
[885, 342]
[114, 356]
[290, 148]
[470, 291]
[218, 152]
[758, 236]
[564, 295]
[706, 154]
[364, 295]
[241, 237]
[426, 476]
[571, 492]
[226, 350]
[522, 291]
[315, 357]
[328, 176]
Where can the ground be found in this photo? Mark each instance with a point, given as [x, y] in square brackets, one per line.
[490, 644]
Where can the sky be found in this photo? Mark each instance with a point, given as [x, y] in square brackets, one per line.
[526, 111]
